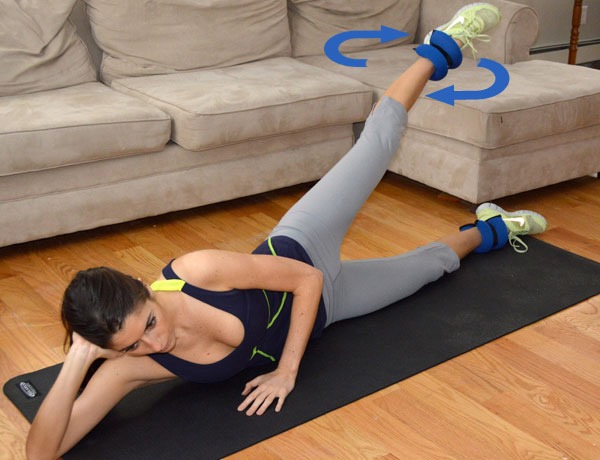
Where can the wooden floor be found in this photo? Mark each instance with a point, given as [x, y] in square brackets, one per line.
[534, 394]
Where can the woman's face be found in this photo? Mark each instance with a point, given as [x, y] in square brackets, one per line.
[146, 330]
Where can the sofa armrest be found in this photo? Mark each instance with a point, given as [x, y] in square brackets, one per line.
[511, 39]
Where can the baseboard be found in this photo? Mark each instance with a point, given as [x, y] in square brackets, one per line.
[592, 65]
[587, 52]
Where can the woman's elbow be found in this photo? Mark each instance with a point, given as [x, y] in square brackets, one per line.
[35, 452]
[37, 448]
[317, 279]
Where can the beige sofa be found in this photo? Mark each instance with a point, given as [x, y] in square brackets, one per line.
[132, 109]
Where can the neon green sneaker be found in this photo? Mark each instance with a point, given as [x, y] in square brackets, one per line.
[470, 23]
[517, 223]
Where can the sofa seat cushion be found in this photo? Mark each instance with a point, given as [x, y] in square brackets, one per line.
[211, 108]
[173, 160]
[542, 99]
[46, 203]
[537, 102]
[74, 125]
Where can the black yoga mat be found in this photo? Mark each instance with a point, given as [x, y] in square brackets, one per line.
[490, 296]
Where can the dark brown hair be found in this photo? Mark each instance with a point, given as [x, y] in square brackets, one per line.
[97, 302]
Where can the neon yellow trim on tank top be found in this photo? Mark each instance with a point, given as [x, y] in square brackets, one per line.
[167, 285]
[256, 351]
[268, 303]
[278, 310]
[272, 321]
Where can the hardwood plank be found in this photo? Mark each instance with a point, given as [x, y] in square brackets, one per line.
[140, 262]
[514, 391]
[26, 303]
[587, 368]
[160, 240]
[452, 419]
[22, 349]
[575, 438]
[551, 372]
[261, 451]
[578, 327]
[360, 430]
[12, 441]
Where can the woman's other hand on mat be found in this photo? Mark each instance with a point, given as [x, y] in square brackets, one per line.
[264, 389]
[87, 349]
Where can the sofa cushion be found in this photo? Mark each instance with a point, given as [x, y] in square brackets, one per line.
[46, 203]
[216, 107]
[165, 36]
[537, 102]
[313, 22]
[75, 125]
[39, 48]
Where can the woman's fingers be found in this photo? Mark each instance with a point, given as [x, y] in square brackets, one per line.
[260, 394]
[80, 343]
[255, 399]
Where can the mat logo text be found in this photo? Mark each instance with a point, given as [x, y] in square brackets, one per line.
[28, 389]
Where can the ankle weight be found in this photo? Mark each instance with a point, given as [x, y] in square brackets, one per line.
[494, 234]
[448, 47]
[436, 57]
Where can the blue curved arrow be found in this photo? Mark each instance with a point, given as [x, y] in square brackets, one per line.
[332, 46]
[448, 95]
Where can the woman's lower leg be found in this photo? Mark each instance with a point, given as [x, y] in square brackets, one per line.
[407, 88]
[463, 243]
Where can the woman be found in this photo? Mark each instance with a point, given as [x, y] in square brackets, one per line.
[212, 313]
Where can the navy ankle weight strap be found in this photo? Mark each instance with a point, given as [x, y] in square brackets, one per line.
[494, 234]
[436, 57]
[449, 48]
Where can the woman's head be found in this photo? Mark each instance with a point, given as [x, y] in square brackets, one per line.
[97, 302]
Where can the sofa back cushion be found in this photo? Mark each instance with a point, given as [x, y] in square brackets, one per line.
[141, 38]
[313, 22]
[39, 48]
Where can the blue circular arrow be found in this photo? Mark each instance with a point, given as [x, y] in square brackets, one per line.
[332, 46]
[448, 95]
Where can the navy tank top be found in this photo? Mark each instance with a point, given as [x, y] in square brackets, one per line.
[265, 316]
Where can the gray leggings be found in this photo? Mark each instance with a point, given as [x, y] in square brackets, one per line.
[320, 220]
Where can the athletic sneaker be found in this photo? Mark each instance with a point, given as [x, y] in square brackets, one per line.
[517, 223]
[470, 23]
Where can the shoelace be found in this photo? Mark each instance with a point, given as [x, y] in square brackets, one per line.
[469, 34]
[515, 241]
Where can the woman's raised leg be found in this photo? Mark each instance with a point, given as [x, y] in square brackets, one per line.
[320, 219]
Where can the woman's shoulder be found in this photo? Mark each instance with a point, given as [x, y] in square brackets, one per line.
[200, 267]
[214, 269]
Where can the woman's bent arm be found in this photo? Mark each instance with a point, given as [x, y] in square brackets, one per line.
[63, 420]
[50, 424]
[222, 270]
[263, 390]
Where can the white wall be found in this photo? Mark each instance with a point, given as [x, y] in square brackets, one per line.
[555, 29]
